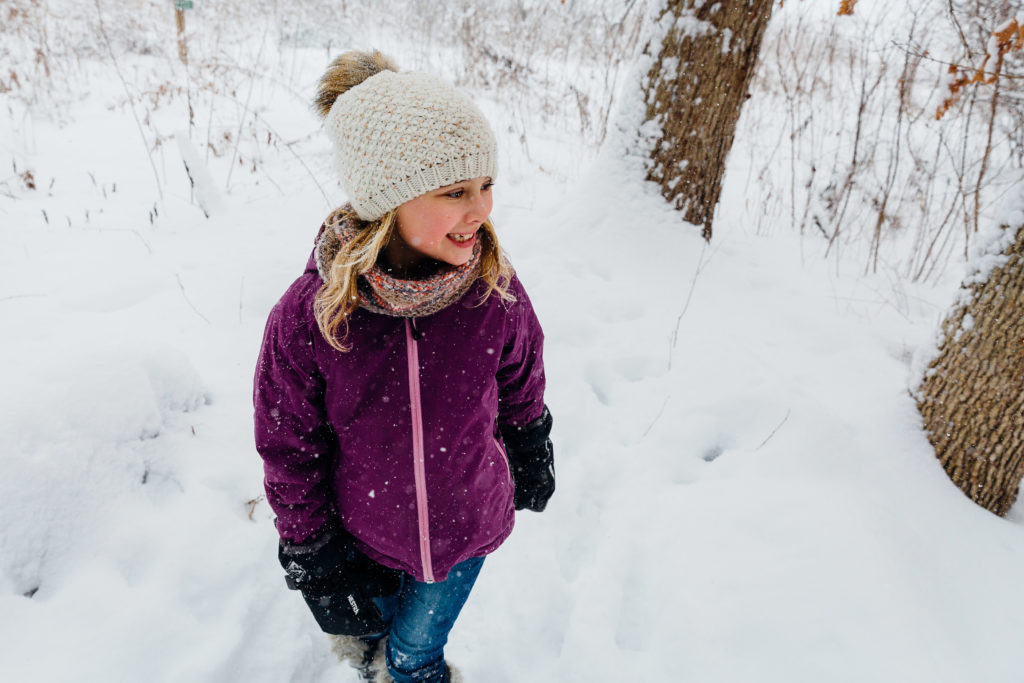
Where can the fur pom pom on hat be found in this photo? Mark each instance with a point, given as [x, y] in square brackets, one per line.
[398, 135]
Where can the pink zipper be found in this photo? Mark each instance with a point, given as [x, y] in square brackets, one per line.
[419, 459]
[504, 459]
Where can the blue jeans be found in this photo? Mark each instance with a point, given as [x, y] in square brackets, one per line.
[419, 617]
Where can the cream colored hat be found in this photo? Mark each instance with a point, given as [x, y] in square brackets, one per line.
[400, 135]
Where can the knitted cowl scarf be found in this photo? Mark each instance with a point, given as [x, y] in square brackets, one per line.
[382, 293]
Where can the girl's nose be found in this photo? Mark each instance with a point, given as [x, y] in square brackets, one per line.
[479, 208]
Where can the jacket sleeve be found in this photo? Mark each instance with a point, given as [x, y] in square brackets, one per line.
[521, 368]
[292, 432]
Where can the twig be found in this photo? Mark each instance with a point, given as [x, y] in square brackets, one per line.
[962, 67]
[131, 97]
[253, 503]
[128, 230]
[777, 428]
[894, 161]
[960, 30]
[245, 112]
[185, 296]
[674, 339]
[220, 66]
[656, 418]
[298, 158]
[985, 156]
[22, 296]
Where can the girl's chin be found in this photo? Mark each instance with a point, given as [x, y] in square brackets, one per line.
[457, 260]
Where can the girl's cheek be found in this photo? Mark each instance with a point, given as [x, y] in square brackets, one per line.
[443, 227]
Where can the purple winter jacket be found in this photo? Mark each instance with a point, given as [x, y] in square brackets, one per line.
[397, 439]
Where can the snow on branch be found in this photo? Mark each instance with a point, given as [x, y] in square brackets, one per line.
[1008, 38]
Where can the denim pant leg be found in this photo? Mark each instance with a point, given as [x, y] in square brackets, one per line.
[421, 617]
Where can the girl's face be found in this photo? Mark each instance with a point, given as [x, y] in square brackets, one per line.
[442, 224]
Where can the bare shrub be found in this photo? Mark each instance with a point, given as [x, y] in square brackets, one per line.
[860, 159]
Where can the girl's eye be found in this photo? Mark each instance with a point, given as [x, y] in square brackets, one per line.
[459, 193]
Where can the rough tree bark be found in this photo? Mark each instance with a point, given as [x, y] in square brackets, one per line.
[972, 397]
[695, 90]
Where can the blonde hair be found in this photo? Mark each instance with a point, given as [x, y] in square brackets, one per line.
[338, 297]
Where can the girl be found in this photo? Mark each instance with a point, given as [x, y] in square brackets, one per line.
[399, 390]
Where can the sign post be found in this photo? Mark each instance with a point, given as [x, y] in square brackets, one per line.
[179, 17]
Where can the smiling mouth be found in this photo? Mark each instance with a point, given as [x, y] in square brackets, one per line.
[461, 238]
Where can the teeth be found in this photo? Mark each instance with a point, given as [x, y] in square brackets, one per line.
[461, 238]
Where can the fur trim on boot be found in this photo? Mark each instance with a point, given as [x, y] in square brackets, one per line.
[349, 648]
[454, 675]
[358, 653]
[378, 668]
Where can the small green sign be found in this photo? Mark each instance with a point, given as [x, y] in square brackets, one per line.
[182, 5]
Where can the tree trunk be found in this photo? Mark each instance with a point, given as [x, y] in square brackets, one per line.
[695, 90]
[972, 397]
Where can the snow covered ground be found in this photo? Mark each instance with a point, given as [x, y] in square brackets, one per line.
[745, 493]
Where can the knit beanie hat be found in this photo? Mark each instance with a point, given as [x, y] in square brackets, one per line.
[398, 135]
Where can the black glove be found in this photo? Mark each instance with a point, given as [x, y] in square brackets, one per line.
[532, 460]
[338, 582]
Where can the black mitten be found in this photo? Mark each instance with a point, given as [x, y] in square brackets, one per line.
[338, 583]
[531, 457]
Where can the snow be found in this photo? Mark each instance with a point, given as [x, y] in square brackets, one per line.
[744, 489]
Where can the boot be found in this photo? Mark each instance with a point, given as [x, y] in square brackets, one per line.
[359, 654]
[379, 668]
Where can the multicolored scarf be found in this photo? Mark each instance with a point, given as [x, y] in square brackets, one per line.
[386, 294]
